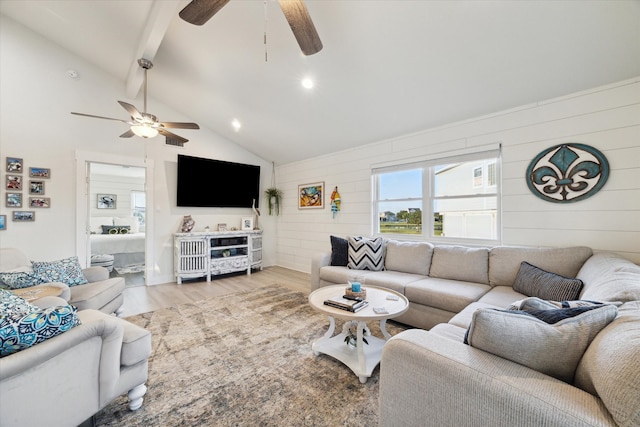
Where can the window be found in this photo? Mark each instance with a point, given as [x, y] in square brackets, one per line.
[455, 198]
[139, 206]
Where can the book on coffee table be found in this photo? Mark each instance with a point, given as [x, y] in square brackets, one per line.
[346, 304]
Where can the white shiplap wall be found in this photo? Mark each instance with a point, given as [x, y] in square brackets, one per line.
[607, 118]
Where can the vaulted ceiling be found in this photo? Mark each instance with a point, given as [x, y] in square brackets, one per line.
[388, 68]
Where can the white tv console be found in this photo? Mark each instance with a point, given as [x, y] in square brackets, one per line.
[206, 254]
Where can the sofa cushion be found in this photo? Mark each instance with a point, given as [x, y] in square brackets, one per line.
[536, 282]
[501, 296]
[609, 367]
[339, 251]
[449, 295]
[20, 279]
[610, 277]
[504, 261]
[366, 254]
[548, 341]
[66, 271]
[460, 263]
[19, 331]
[393, 280]
[97, 294]
[408, 257]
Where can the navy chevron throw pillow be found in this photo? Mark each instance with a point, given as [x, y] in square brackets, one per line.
[366, 254]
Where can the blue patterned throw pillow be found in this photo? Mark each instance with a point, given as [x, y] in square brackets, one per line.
[20, 279]
[13, 304]
[66, 270]
[19, 331]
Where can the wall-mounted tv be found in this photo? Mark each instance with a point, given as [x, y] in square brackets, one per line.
[216, 183]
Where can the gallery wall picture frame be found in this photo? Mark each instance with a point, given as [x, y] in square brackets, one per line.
[24, 216]
[3, 222]
[247, 223]
[39, 202]
[14, 200]
[311, 196]
[40, 173]
[36, 187]
[107, 201]
[14, 165]
[14, 182]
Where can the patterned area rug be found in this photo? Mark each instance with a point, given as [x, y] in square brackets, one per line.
[245, 359]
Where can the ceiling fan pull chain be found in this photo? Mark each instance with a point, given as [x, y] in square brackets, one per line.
[265, 31]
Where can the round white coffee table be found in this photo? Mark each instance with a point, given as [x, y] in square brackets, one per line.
[365, 357]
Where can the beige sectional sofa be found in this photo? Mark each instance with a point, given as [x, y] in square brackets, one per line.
[430, 377]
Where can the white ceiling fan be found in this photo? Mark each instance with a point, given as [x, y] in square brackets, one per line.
[143, 124]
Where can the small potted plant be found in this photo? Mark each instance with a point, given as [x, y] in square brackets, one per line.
[273, 196]
[351, 338]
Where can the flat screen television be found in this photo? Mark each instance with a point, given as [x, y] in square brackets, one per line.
[216, 183]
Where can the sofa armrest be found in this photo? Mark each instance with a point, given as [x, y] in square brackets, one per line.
[96, 274]
[424, 375]
[317, 262]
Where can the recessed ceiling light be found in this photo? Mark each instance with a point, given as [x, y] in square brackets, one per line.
[307, 83]
[236, 124]
[73, 74]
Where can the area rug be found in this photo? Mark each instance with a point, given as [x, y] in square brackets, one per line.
[130, 269]
[245, 359]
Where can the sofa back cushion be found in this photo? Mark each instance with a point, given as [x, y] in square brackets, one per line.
[460, 263]
[610, 277]
[609, 367]
[408, 257]
[504, 261]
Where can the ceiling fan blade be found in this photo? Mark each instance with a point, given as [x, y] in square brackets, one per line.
[135, 114]
[128, 134]
[179, 125]
[199, 12]
[172, 135]
[302, 26]
[99, 117]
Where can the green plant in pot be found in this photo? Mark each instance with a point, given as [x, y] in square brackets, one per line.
[273, 196]
[350, 331]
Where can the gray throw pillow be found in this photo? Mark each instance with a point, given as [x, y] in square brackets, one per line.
[548, 341]
[339, 251]
[535, 282]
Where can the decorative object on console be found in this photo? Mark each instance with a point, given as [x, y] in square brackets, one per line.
[107, 201]
[247, 223]
[222, 227]
[335, 201]
[256, 211]
[187, 223]
[567, 173]
[311, 196]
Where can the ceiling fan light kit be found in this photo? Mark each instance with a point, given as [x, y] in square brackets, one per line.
[143, 124]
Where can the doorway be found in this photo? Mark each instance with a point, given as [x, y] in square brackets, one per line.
[117, 220]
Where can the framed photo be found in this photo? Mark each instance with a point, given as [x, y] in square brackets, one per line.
[39, 202]
[107, 201]
[14, 200]
[14, 165]
[36, 187]
[311, 196]
[247, 223]
[222, 227]
[3, 222]
[40, 173]
[23, 216]
[14, 182]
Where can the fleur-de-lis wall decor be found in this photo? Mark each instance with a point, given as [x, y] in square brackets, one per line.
[567, 173]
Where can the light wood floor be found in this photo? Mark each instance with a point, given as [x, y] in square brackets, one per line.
[141, 299]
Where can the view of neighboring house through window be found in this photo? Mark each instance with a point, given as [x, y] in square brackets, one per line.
[138, 207]
[456, 197]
